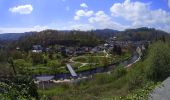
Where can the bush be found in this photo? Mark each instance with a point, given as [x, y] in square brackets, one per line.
[37, 58]
[137, 77]
[119, 72]
[103, 78]
[158, 61]
[53, 63]
[22, 66]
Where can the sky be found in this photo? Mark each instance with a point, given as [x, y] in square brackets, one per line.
[35, 15]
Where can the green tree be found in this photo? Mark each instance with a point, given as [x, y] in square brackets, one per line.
[22, 66]
[11, 62]
[20, 87]
[3, 56]
[54, 65]
[105, 61]
[37, 58]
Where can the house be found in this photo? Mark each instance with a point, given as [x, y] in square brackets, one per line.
[37, 48]
[17, 48]
[143, 47]
[139, 51]
[94, 50]
[70, 51]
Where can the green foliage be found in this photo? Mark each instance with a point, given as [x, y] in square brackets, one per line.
[22, 66]
[19, 88]
[159, 61]
[80, 59]
[17, 54]
[103, 78]
[37, 58]
[139, 94]
[140, 34]
[5, 69]
[119, 72]
[52, 37]
[137, 77]
[104, 61]
[3, 56]
[53, 63]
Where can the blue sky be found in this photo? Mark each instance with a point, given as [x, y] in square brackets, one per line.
[37, 15]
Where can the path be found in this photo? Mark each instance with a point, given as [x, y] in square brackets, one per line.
[161, 92]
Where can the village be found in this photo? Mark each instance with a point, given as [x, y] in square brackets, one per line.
[85, 58]
[107, 47]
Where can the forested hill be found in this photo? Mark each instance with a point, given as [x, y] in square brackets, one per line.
[105, 33]
[102, 33]
[52, 37]
[80, 38]
[142, 34]
[129, 34]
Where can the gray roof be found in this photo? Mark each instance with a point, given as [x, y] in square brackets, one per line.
[72, 72]
[162, 92]
[44, 78]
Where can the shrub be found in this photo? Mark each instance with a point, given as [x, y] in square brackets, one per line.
[158, 61]
[103, 78]
[119, 72]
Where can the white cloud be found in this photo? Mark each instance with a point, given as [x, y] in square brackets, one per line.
[100, 16]
[140, 14]
[22, 9]
[83, 13]
[102, 20]
[84, 27]
[84, 5]
[76, 17]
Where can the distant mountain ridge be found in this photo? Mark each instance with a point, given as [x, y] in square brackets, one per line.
[142, 33]
[104, 33]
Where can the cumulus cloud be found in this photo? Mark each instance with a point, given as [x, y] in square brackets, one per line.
[83, 13]
[100, 16]
[102, 20]
[140, 14]
[84, 5]
[22, 9]
[82, 27]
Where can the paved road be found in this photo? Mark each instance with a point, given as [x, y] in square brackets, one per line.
[161, 92]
